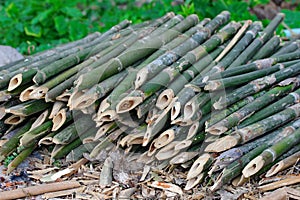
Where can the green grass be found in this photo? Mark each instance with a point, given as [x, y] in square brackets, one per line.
[35, 25]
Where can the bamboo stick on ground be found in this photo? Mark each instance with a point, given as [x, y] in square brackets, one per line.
[283, 164]
[39, 189]
[20, 158]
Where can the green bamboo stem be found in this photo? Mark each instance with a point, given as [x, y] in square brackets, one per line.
[45, 54]
[170, 73]
[99, 90]
[13, 142]
[257, 85]
[291, 47]
[28, 108]
[229, 156]
[130, 56]
[177, 85]
[271, 154]
[31, 137]
[66, 149]
[20, 158]
[267, 49]
[259, 103]
[220, 115]
[239, 47]
[79, 127]
[128, 82]
[77, 153]
[275, 107]
[258, 42]
[170, 57]
[243, 135]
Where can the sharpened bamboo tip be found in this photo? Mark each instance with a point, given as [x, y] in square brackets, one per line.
[165, 138]
[191, 183]
[38, 93]
[128, 103]
[222, 144]
[275, 169]
[25, 95]
[175, 111]
[198, 166]
[216, 129]
[164, 99]
[253, 166]
[192, 130]
[59, 119]
[14, 82]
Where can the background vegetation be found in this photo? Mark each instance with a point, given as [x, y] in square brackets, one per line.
[35, 25]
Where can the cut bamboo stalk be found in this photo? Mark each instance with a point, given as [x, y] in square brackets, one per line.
[62, 117]
[57, 106]
[39, 189]
[28, 108]
[271, 154]
[13, 142]
[14, 120]
[40, 119]
[20, 158]
[258, 42]
[25, 95]
[284, 164]
[202, 163]
[191, 183]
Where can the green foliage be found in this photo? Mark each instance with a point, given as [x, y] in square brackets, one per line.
[40, 25]
[32, 26]
[292, 18]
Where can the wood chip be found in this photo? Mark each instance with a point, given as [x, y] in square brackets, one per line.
[283, 194]
[166, 186]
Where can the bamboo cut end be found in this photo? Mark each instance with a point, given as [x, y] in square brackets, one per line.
[128, 103]
[38, 93]
[59, 119]
[141, 78]
[222, 144]
[165, 138]
[40, 120]
[164, 99]
[183, 145]
[212, 85]
[192, 130]
[84, 101]
[216, 129]
[25, 94]
[191, 183]
[175, 110]
[15, 82]
[45, 141]
[14, 120]
[275, 169]
[198, 166]
[253, 166]
[167, 152]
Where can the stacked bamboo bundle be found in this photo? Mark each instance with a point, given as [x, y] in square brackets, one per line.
[216, 97]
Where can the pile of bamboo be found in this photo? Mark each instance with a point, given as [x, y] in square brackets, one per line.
[215, 97]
